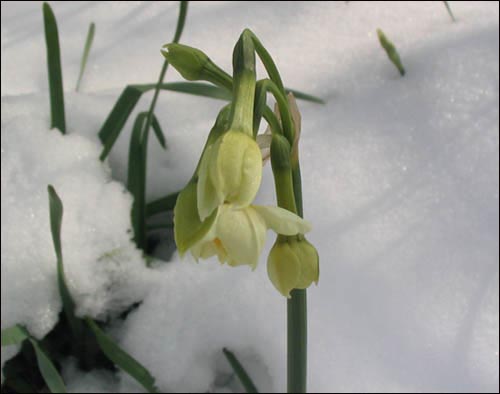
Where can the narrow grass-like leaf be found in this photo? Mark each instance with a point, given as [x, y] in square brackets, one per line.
[158, 132]
[85, 55]
[123, 359]
[162, 205]
[391, 51]
[136, 181]
[305, 96]
[128, 99]
[56, 215]
[54, 69]
[198, 89]
[49, 372]
[448, 8]
[117, 118]
[238, 369]
[14, 335]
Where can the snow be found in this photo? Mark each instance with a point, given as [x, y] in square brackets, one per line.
[400, 179]
[100, 260]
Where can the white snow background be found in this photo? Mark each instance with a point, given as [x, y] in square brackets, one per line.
[400, 179]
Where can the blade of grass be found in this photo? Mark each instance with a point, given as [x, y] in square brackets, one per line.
[448, 8]
[130, 96]
[136, 180]
[123, 359]
[117, 118]
[304, 96]
[158, 132]
[14, 335]
[49, 372]
[56, 215]
[198, 89]
[140, 166]
[391, 51]
[54, 70]
[162, 205]
[238, 369]
[86, 51]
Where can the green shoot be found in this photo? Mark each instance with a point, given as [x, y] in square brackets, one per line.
[86, 50]
[391, 51]
[238, 369]
[54, 69]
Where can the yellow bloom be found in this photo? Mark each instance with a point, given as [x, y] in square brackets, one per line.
[214, 215]
[292, 264]
[230, 171]
[237, 234]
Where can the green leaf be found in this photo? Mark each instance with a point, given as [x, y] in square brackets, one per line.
[49, 372]
[56, 215]
[162, 205]
[158, 132]
[305, 96]
[125, 104]
[238, 369]
[448, 8]
[86, 50]
[128, 99]
[123, 359]
[198, 89]
[391, 51]
[181, 20]
[54, 69]
[136, 182]
[117, 118]
[14, 335]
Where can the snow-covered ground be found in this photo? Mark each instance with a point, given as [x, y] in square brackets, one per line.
[400, 179]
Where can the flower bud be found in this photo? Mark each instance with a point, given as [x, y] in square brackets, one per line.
[292, 264]
[190, 62]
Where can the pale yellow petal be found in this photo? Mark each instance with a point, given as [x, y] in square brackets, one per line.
[283, 268]
[242, 233]
[282, 221]
[309, 263]
[207, 196]
[188, 228]
[238, 170]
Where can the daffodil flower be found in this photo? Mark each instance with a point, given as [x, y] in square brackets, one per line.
[237, 234]
[214, 215]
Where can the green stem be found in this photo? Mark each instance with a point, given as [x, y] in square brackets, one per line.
[286, 116]
[297, 314]
[286, 191]
[268, 62]
[297, 342]
[180, 26]
[244, 84]
[272, 121]
[141, 242]
[297, 303]
[297, 186]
